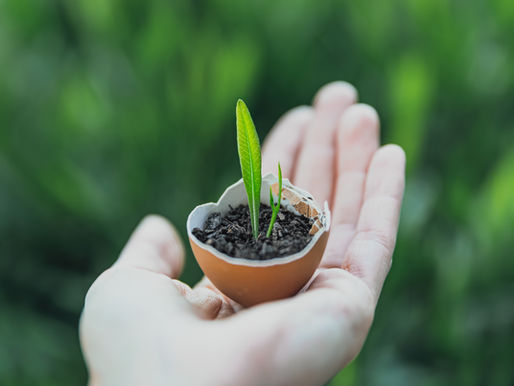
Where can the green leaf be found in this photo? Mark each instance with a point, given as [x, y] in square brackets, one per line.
[275, 207]
[249, 150]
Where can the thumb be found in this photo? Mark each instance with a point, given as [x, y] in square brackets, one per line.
[155, 246]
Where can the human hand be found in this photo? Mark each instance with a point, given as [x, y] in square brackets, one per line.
[141, 326]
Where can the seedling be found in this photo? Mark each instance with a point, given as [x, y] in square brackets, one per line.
[249, 150]
[275, 207]
[225, 236]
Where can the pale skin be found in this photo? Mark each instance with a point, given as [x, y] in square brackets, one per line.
[141, 326]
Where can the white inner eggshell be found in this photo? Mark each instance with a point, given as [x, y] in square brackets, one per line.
[293, 199]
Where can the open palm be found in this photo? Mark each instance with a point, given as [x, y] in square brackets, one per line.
[141, 326]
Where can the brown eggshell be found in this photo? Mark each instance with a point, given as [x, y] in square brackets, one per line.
[250, 282]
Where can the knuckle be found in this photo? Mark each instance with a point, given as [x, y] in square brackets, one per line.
[386, 240]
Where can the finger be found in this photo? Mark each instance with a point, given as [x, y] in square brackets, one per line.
[315, 169]
[333, 318]
[155, 246]
[136, 294]
[284, 140]
[123, 308]
[357, 141]
[369, 254]
[207, 303]
[227, 307]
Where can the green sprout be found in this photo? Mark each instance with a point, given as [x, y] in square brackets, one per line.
[249, 150]
[275, 207]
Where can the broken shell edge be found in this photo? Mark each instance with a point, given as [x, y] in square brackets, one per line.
[235, 195]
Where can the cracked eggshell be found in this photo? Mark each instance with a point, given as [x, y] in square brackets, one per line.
[250, 282]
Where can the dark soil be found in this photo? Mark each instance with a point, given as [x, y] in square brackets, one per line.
[232, 233]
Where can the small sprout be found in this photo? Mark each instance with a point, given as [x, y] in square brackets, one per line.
[249, 150]
[275, 207]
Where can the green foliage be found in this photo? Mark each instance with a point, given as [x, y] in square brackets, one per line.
[275, 207]
[249, 151]
[99, 125]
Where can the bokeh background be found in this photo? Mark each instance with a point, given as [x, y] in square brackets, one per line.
[113, 109]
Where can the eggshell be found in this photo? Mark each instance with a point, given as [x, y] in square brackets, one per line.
[251, 282]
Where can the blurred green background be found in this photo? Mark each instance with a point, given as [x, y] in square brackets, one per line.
[114, 109]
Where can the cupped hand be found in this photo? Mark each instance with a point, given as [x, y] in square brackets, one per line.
[140, 326]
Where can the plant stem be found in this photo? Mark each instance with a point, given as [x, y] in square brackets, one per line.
[271, 223]
[275, 208]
